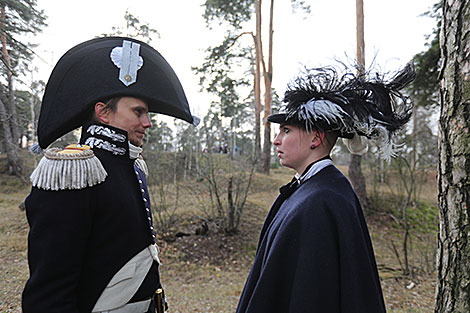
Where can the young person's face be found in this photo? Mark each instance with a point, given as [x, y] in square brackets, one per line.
[131, 115]
[294, 147]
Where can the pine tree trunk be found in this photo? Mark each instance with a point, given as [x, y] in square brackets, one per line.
[355, 170]
[268, 98]
[32, 133]
[453, 255]
[15, 130]
[360, 41]
[15, 165]
[10, 106]
[357, 179]
[257, 80]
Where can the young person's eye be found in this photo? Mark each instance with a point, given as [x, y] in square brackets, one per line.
[286, 130]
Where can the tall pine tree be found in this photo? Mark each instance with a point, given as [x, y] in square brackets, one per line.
[453, 267]
[18, 19]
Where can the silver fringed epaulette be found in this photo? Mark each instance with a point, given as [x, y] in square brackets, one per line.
[75, 167]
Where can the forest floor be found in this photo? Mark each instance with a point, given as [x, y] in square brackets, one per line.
[206, 273]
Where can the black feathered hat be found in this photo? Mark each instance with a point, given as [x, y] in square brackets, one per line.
[352, 105]
[103, 68]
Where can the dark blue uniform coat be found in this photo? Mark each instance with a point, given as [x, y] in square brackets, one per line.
[79, 239]
[314, 254]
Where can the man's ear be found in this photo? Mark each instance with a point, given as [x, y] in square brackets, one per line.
[318, 137]
[102, 113]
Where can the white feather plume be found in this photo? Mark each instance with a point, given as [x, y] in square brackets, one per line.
[356, 145]
[324, 110]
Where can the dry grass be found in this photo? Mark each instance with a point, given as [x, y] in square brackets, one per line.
[202, 288]
[13, 265]
[205, 273]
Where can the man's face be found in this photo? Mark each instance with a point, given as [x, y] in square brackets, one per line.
[131, 115]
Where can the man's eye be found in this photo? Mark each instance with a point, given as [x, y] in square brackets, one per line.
[286, 130]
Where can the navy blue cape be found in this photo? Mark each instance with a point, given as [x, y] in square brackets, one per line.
[315, 254]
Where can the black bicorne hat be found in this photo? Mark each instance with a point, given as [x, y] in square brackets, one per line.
[103, 68]
[352, 105]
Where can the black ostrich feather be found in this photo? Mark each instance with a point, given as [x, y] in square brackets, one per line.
[350, 103]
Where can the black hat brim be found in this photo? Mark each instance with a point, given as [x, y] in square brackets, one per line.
[281, 118]
[277, 118]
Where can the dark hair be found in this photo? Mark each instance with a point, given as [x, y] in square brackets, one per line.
[110, 104]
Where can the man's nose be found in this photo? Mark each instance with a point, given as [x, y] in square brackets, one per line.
[147, 123]
[277, 141]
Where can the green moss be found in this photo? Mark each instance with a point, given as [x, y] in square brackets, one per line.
[462, 141]
[465, 86]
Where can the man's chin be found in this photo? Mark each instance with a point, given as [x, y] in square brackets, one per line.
[136, 143]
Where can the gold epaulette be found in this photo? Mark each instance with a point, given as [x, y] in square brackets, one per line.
[75, 167]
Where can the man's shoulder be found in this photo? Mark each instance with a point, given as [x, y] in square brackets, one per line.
[75, 167]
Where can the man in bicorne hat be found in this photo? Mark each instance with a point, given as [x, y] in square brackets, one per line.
[91, 245]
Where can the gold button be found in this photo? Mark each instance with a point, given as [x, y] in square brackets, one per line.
[128, 77]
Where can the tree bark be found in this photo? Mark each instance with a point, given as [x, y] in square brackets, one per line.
[15, 165]
[257, 81]
[11, 106]
[268, 98]
[355, 171]
[453, 255]
[360, 42]
[357, 179]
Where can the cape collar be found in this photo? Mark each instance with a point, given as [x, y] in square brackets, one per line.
[106, 138]
[313, 168]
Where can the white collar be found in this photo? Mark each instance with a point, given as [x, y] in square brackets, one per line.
[134, 151]
[314, 169]
[135, 154]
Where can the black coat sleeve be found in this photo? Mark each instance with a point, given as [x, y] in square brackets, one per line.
[60, 224]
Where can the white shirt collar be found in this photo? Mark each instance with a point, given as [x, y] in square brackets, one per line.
[134, 151]
[314, 169]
